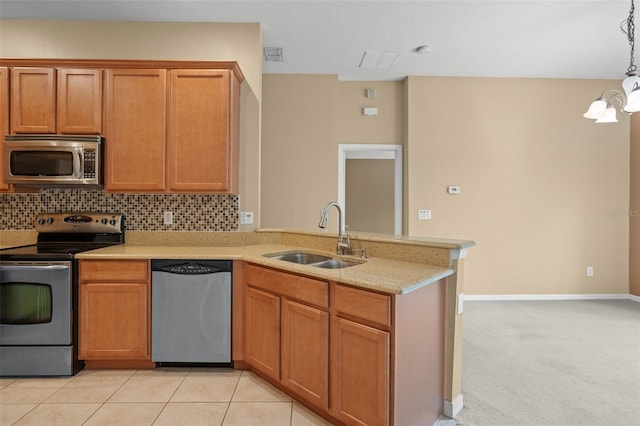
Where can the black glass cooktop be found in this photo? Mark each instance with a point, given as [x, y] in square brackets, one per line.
[34, 253]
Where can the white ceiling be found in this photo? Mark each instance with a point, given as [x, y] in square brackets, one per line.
[507, 38]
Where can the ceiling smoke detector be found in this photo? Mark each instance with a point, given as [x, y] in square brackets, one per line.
[423, 50]
[273, 54]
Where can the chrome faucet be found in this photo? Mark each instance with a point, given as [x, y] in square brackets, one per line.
[342, 247]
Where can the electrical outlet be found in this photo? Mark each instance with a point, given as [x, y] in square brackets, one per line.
[424, 214]
[168, 218]
[589, 271]
[246, 218]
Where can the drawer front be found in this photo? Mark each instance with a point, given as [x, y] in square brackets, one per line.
[363, 304]
[304, 289]
[114, 270]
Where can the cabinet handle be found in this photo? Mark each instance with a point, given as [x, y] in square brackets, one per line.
[77, 163]
[22, 268]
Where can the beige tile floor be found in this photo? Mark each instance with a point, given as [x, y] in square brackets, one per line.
[164, 396]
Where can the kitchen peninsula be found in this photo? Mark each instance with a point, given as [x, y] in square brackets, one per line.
[385, 333]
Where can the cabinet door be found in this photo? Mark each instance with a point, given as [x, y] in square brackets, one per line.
[359, 373]
[33, 100]
[199, 145]
[4, 119]
[135, 130]
[114, 321]
[79, 101]
[262, 332]
[305, 352]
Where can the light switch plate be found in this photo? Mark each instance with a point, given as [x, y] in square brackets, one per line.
[424, 214]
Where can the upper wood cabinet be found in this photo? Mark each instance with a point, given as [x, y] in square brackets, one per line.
[4, 119]
[79, 101]
[202, 129]
[46, 100]
[192, 149]
[33, 100]
[135, 130]
[169, 126]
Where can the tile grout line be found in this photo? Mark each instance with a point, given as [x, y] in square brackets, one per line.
[235, 388]
[110, 396]
[102, 402]
[172, 395]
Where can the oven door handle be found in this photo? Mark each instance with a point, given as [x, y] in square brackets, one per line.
[23, 267]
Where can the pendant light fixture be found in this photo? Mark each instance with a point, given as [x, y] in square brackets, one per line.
[603, 109]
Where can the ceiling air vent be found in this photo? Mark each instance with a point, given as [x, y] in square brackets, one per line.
[272, 54]
[375, 59]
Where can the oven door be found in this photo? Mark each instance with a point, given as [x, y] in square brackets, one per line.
[35, 303]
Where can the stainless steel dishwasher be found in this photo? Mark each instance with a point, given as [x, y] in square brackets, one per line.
[191, 311]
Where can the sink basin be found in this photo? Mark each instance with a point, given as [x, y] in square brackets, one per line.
[302, 258]
[335, 264]
[312, 259]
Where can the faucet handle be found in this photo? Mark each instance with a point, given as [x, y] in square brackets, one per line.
[363, 253]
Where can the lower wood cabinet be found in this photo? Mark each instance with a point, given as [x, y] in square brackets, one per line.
[114, 310]
[355, 356]
[304, 360]
[286, 337]
[262, 331]
[360, 362]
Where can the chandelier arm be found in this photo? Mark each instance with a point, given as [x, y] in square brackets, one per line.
[619, 97]
[615, 93]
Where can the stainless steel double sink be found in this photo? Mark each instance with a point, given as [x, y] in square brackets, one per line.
[313, 259]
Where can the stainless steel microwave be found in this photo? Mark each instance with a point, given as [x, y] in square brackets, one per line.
[53, 160]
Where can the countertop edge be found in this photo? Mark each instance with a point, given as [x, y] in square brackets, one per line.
[383, 238]
[377, 274]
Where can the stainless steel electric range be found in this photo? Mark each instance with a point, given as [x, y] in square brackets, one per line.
[39, 293]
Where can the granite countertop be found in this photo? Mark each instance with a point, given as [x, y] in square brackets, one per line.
[17, 238]
[381, 274]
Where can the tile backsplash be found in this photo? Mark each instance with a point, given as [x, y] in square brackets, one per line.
[144, 212]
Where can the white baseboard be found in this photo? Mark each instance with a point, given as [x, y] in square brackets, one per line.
[521, 297]
[452, 409]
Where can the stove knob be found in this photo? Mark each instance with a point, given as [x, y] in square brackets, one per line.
[104, 221]
[41, 221]
[50, 220]
[112, 222]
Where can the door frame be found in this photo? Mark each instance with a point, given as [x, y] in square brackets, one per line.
[373, 152]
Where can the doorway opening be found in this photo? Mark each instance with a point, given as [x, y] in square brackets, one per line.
[370, 187]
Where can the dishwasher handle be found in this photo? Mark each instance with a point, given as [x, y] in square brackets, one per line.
[191, 267]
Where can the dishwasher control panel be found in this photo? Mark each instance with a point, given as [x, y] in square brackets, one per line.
[191, 267]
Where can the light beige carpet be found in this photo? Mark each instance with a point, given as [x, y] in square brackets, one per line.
[551, 363]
